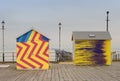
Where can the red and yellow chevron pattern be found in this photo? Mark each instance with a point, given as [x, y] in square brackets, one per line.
[33, 54]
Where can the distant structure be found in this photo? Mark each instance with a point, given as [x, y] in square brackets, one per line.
[91, 48]
[32, 51]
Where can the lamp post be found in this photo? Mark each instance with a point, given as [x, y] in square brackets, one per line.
[3, 40]
[107, 21]
[59, 36]
[59, 55]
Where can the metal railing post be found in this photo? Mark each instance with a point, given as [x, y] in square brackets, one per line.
[13, 57]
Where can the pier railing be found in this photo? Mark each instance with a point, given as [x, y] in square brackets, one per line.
[11, 56]
[116, 56]
[8, 57]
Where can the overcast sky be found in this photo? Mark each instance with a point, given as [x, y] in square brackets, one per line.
[44, 15]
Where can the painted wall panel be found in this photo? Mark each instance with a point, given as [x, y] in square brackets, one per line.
[92, 52]
[32, 51]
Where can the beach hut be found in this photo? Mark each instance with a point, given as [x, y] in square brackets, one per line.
[32, 49]
[91, 48]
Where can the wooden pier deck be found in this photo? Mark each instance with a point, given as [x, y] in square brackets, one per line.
[63, 72]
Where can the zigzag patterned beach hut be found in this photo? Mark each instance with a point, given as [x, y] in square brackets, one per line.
[91, 48]
[32, 51]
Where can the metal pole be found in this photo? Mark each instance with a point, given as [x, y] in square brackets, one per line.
[59, 36]
[59, 41]
[3, 40]
[107, 21]
[13, 56]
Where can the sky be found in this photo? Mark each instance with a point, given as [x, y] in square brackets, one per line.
[44, 15]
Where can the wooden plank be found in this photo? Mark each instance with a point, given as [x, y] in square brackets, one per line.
[63, 72]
